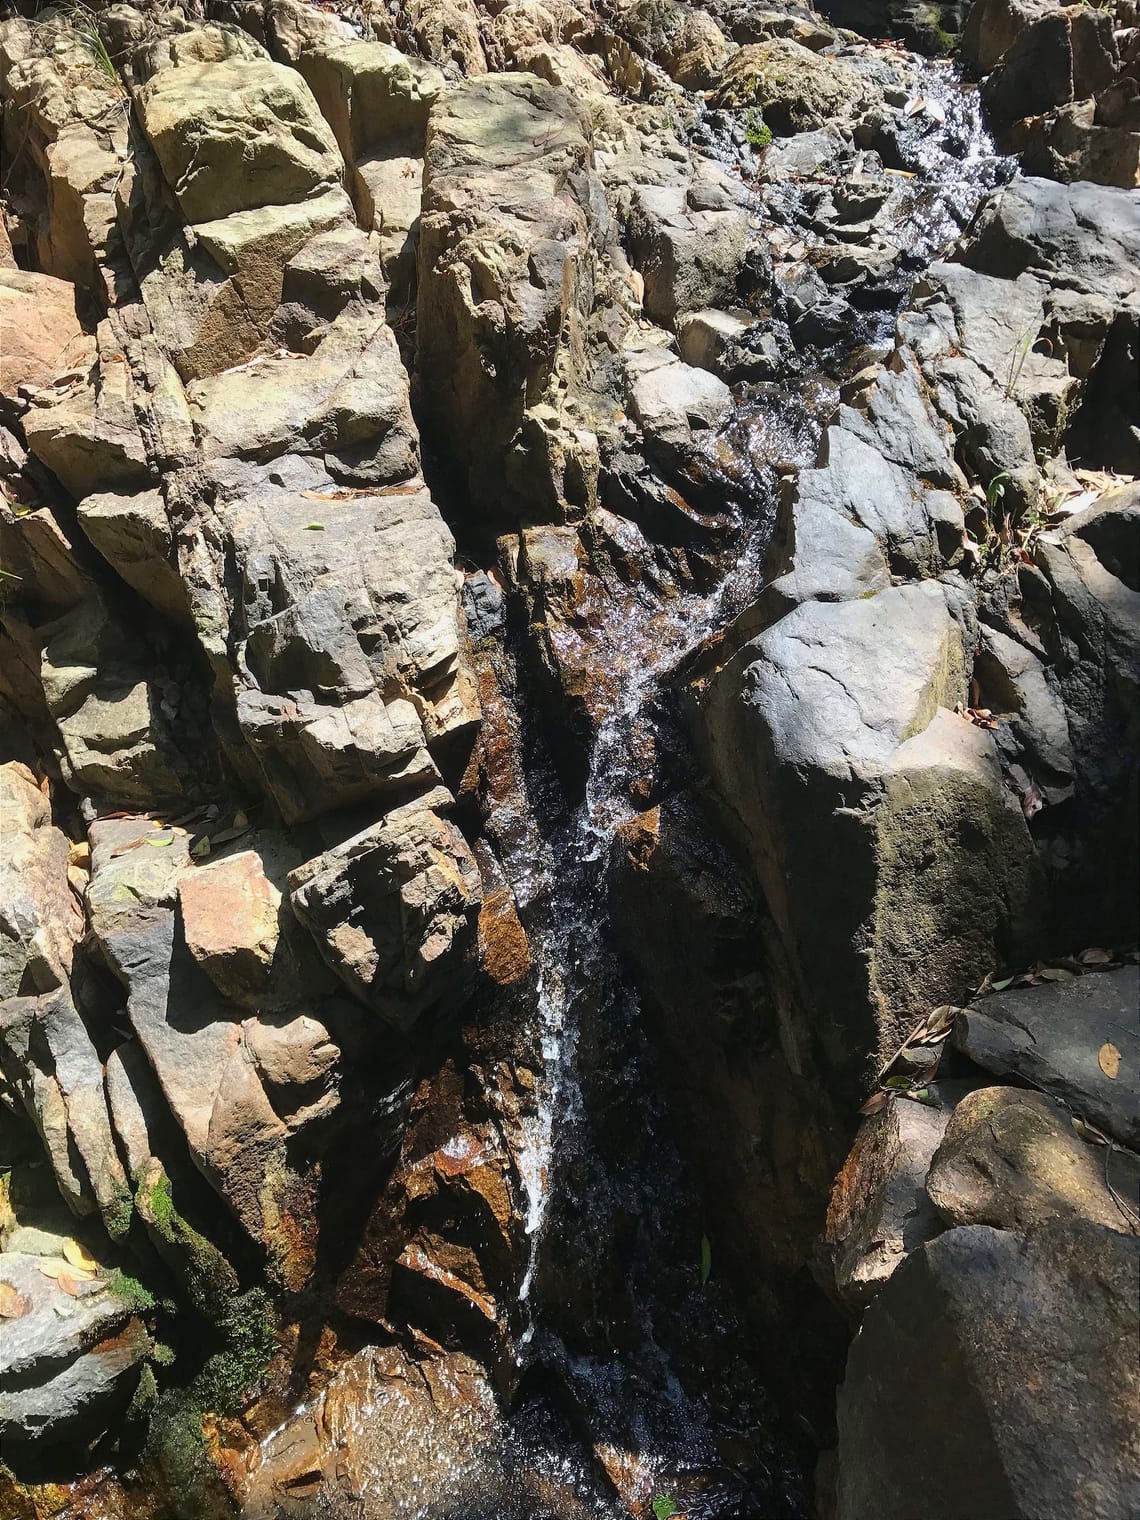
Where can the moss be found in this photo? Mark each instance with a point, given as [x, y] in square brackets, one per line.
[130, 1291]
[230, 1373]
[118, 1215]
[210, 1282]
[757, 131]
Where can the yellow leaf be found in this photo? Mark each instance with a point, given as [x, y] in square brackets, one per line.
[78, 1257]
[1109, 1059]
[57, 1269]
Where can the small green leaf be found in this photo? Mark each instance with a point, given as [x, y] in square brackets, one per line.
[706, 1259]
[159, 843]
[1002, 985]
[897, 1084]
[315, 527]
[664, 1506]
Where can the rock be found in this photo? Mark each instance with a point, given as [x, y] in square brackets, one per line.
[392, 909]
[134, 536]
[993, 26]
[447, 32]
[1016, 684]
[40, 920]
[930, 26]
[115, 739]
[704, 336]
[674, 403]
[388, 190]
[196, 1049]
[53, 1068]
[688, 44]
[505, 283]
[236, 135]
[42, 332]
[1074, 143]
[41, 546]
[946, 1395]
[370, 94]
[1052, 1035]
[1011, 1159]
[68, 1365]
[85, 430]
[1064, 55]
[230, 917]
[825, 737]
[687, 241]
[879, 1210]
[796, 89]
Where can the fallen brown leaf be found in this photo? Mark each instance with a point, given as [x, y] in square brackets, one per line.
[13, 1304]
[1108, 1059]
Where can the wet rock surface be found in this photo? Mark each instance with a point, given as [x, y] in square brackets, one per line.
[567, 605]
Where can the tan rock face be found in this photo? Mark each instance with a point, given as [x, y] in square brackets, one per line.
[237, 135]
[230, 913]
[39, 918]
[42, 332]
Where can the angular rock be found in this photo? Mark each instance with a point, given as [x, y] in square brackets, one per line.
[797, 90]
[40, 920]
[879, 1210]
[896, 865]
[703, 337]
[134, 536]
[393, 908]
[1053, 1035]
[370, 94]
[236, 135]
[230, 915]
[116, 740]
[42, 332]
[1011, 1159]
[688, 242]
[68, 1365]
[995, 1376]
[505, 284]
[51, 1064]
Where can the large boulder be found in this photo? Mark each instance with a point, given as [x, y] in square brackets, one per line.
[687, 240]
[1013, 1159]
[236, 135]
[505, 284]
[995, 1377]
[896, 865]
[797, 89]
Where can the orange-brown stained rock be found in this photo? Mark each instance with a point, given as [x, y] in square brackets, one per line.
[230, 911]
[504, 952]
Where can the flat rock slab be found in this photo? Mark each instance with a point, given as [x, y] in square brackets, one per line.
[1053, 1036]
[63, 1357]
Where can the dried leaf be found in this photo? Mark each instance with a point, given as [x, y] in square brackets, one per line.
[1108, 1059]
[54, 1268]
[876, 1102]
[240, 820]
[936, 112]
[1055, 974]
[13, 1304]
[1089, 1131]
[78, 1257]
[914, 105]
[1095, 957]
[68, 1285]
[200, 849]
[1006, 981]
[223, 836]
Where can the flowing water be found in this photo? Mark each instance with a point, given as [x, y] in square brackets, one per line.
[635, 1388]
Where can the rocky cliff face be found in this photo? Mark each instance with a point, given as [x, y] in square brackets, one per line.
[568, 632]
